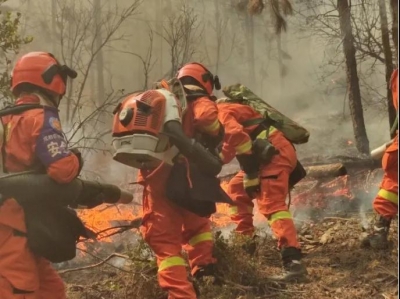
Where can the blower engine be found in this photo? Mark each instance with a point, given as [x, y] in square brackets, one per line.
[140, 139]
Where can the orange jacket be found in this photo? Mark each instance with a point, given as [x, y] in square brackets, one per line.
[394, 85]
[201, 116]
[236, 139]
[33, 138]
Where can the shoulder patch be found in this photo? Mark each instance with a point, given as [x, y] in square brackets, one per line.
[55, 123]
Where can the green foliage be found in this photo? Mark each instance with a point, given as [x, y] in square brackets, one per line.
[10, 44]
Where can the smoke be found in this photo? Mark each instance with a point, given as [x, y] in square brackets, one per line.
[309, 91]
[366, 198]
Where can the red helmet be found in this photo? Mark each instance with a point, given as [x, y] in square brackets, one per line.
[201, 74]
[43, 70]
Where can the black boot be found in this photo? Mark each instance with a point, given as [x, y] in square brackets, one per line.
[378, 239]
[293, 269]
[250, 245]
[204, 272]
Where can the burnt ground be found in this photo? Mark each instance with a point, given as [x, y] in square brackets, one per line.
[338, 268]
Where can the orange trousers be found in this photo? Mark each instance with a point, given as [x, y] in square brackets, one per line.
[271, 203]
[22, 274]
[386, 201]
[167, 229]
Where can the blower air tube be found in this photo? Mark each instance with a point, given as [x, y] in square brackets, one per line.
[194, 151]
[27, 188]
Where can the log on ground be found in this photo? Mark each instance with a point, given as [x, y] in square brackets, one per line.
[326, 171]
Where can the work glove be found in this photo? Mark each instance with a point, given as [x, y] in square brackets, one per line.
[248, 163]
[78, 154]
[251, 184]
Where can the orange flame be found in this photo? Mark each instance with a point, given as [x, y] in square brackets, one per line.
[104, 217]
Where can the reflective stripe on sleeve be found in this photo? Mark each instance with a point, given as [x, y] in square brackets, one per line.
[213, 127]
[263, 134]
[243, 148]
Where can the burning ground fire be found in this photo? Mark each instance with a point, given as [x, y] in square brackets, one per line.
[345, 192]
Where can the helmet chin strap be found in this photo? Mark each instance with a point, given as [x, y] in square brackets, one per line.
[48, 100]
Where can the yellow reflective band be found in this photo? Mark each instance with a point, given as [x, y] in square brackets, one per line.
[279, 215]
[207, 236]
[390, 196]
[243, 148]
[233, 210]
[213, 127]
[221, 156]
[171, 262]
[263, 134]
[252, 182]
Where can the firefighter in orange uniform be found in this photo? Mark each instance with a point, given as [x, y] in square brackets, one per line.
[268, 183]
[386, 201]
[34, 140]
[166, 226]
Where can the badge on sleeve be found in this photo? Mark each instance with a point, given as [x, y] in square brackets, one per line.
[51, 144]
[54, 122]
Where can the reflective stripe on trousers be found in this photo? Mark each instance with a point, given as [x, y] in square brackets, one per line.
[278, 216]
[233, 210]
[171, 262]
[207, 236]
[390, 196]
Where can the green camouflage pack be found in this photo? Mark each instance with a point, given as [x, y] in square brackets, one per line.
[239, 93]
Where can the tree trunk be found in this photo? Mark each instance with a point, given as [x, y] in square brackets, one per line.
[387, 51]
[355, 103]
[99, 61]
[250, 49]
[280, 64]
[218, 33]
[160, 40]
[394, 6]
[54, 27]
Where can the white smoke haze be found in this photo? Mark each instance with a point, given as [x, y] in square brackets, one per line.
[312, 92]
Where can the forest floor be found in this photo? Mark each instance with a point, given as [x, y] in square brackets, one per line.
[338, 268]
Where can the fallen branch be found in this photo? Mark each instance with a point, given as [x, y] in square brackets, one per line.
[236, 285]
[104, 261]
[338, 218]
[326, 170]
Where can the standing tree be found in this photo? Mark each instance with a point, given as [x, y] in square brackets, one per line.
[82, 33]
[278, 9]
[147, 60]
[100, 60]
[387, 51]
[182, 34]
[222, 44]
[355, 103]
[10, 44]
[394, 7]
